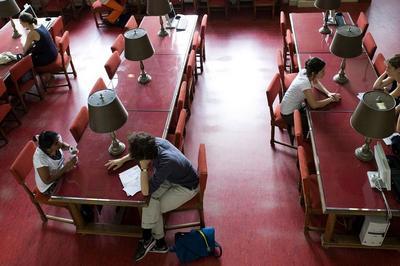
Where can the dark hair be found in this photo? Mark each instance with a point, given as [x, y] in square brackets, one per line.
[27, 17]
[395, 61]
[142, 146]
[46, 139]
[313, 66]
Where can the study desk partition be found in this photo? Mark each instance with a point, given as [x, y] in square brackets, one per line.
[150, 107]
[305, 28]
[15, 46]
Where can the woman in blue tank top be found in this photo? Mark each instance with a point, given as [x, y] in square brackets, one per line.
[38, 41]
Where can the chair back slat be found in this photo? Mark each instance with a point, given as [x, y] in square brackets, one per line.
[99, 85]
[379, 64]
[112, 64]
[131, 23]
[64, 44]
[362, 23]
[80, 123]
[180, 130]
[20, 68]
[272, 92]
[118, 44]
[202, 169]
[23, 164]
[57, 29]
[282, 24]
[203, 27]
[369, 45]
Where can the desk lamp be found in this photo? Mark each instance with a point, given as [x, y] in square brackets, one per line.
[347, 43]
[9, 8]
[106, 115]
[326, 5]
[374, 118]
[138, 48]
[159, 8]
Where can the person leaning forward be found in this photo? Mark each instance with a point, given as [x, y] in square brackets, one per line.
[167, 176]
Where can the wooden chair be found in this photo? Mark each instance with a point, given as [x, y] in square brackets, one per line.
[195, 203]
[100, 12]
[5, 110]
[275, 112]
[263, 3]
[217, 4]
[362, 23]
[61, 64]
[99, 85]
[57, 30]
[79, 124]
[112, 64]
[178, 138]
[369, 45]
[300, 140]
[131, 23]
[294, 66]
[118, 44]
[379, 64]
[286, 78]
[23, 77]
[199, 44]
[180, 104]
[190, 75]
[309, 183]
[21, 169]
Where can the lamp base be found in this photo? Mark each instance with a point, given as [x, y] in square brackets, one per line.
[325, 30]
[364, 154]
[340, 78]
[162, 32]
[116, 148]
[144, 78]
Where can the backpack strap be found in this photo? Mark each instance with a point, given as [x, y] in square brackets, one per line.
[205, 240]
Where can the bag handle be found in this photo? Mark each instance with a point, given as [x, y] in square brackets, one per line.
[219, 254]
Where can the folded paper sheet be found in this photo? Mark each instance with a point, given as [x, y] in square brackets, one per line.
[130, 180]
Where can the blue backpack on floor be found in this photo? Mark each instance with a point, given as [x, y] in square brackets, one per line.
[196, 244]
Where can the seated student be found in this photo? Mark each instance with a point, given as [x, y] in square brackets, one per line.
[301, 89]
[391, 77]
[167, 176]
[117, 10]
[390, 82]
[38, 41]
[49, 161]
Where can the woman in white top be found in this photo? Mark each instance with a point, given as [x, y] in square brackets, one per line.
[48, 161]
[391, 78]
[301, 89]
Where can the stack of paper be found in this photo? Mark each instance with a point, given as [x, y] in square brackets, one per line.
[130, 180]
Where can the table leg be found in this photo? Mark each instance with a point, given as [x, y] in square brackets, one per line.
[330, 226]
[76, 215]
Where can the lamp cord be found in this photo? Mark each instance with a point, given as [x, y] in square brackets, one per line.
[388, 210]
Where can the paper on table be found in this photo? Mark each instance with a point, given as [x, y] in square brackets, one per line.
[130, 180]
[388, 140]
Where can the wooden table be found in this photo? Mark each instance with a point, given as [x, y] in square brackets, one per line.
[342, 178]
[15, 46]
[305, 28]
[150, 107]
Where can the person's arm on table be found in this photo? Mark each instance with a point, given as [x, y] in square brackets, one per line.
[44, 172]
[117, 163]
[319, 86]
[315, 104]
[381, 82]
[144, 176]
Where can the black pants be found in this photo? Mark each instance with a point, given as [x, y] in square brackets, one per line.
[304, 122]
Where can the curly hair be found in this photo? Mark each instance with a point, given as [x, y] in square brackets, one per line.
[142, 146]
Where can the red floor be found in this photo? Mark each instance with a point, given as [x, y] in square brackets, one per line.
[251, 197]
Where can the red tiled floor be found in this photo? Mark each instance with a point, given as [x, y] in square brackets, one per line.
[251, 195]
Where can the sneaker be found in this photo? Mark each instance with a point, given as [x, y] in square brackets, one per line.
[144, 247]
[160, 248]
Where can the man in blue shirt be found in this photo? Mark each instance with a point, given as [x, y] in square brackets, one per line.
[167, 176]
